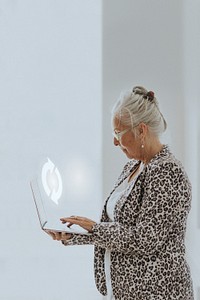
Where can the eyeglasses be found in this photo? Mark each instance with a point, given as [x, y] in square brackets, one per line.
[118, 134]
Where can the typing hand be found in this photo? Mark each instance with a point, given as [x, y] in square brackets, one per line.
[59, 236]
[83, 222]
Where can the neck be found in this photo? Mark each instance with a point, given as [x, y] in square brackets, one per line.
[151, 150]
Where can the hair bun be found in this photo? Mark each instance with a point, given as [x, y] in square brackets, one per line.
[139, 90]
[150, 95]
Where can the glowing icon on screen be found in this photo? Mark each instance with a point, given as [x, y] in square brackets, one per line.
[52, 181]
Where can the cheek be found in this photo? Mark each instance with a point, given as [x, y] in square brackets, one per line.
[131, 145]
[128, 142]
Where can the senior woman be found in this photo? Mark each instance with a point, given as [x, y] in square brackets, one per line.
[139, 241]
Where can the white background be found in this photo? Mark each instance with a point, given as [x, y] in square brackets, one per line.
[50, 81]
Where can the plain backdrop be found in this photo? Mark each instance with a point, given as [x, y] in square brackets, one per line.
[50, 70]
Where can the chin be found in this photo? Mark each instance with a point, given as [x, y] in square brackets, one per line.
[128, 155]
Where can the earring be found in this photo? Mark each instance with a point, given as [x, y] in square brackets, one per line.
[142, 146]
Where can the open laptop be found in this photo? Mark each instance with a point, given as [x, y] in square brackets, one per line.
[46, 222]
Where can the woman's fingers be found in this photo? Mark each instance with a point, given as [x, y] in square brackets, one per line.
[83, 222]
[48, 233]
[72, 218]
[63, 220]
[59, 236]
[51, 234]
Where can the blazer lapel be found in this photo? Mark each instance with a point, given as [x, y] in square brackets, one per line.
[128, 169]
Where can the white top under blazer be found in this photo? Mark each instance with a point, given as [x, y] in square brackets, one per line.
[110, 212]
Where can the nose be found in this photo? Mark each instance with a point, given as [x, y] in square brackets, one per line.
[116, 142]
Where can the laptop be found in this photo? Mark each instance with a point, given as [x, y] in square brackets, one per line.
[46, 221]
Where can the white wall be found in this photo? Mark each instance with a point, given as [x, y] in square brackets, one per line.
[50, 70]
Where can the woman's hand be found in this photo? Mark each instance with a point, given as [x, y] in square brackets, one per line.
[59, 236]
[85, 223]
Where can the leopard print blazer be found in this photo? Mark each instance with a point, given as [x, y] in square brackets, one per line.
[146, 239]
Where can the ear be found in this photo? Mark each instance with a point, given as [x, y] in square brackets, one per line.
[143, 128]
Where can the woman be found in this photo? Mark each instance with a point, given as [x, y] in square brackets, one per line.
[139, 241]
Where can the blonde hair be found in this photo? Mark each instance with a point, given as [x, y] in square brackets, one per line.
[140, 106]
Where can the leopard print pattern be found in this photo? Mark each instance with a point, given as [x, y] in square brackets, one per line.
[147, 236]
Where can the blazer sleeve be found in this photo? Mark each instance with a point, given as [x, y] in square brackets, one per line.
[79, 239]
[165, 205]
